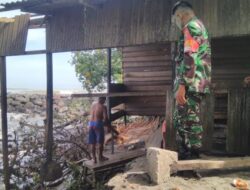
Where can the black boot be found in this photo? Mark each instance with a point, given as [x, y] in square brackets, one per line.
[195, 153]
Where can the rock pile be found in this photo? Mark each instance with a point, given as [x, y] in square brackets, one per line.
[64, 105]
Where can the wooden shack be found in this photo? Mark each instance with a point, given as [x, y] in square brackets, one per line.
[143, 30]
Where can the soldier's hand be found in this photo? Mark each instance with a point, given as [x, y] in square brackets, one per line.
[180, 95]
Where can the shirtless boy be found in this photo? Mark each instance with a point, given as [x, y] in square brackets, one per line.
[98, 118]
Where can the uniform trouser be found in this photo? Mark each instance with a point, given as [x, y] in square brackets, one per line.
[187, 124]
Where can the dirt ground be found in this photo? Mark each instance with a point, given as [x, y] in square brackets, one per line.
[136, 178]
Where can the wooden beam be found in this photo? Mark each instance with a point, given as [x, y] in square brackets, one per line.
[109, 59]
[117, 115]
[6, 20]
[37, 26]
[4, 122]
[230, 163]
[37, 23]
[49, 111]
[171, 133]
[35, 52]
[116, 101]
[120, 94]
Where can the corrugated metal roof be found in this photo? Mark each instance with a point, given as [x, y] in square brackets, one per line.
[40, 5]
[9, 3]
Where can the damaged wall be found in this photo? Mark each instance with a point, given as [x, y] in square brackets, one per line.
[147, 69]
[13, 36]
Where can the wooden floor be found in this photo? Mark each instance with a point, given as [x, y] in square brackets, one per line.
[93, 171]
[116, 159]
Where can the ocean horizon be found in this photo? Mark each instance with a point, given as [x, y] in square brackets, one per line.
[43, 91]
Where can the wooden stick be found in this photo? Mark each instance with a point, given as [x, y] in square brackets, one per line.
[229, 163]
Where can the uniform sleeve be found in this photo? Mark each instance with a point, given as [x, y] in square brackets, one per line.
[192, 39]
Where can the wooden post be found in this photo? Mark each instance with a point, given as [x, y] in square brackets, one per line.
[108, 88]
[207, 120]
[170, 132]
[49, 111]
[4, 123]
[125, 120]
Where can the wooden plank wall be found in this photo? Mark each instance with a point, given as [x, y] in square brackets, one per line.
[120, 23]
[13, 36]
[230, 62]
[238, 135]
[147, 68]
[207, 120]
[230, 65]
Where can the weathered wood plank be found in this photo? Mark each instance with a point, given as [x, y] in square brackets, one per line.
[146, 112]
[147, 69]
[117, 115]
[238, 121]
[115, 159]
[145, 105]
[171, 133]
[143, 66]
[146, 64]
[148, 58]
[207, 119]
[146, 88]
[148, 74]
[154, 52]
[146, 99]
[13, 36]
[143, 48]
[122, 94]
[147, 79]
[149, 83]
[229, 163]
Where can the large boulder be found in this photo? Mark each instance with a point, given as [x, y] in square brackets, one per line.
[159, 162]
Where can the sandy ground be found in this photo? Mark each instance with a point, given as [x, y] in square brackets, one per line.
[136, 178]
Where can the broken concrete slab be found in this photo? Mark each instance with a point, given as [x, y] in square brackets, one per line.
[159, 163]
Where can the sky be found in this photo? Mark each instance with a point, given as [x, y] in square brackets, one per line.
[29, 72]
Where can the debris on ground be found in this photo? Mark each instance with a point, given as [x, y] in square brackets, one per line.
[136, 178]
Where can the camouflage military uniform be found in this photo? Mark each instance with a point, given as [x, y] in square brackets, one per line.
[193, 70]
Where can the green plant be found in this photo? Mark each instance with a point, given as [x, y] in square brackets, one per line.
[92, 69]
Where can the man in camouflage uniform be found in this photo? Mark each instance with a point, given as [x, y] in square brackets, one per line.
[192, 82]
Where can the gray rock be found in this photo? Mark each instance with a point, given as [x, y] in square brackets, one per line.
[38, 102]
[29, 105]
[22, 99]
